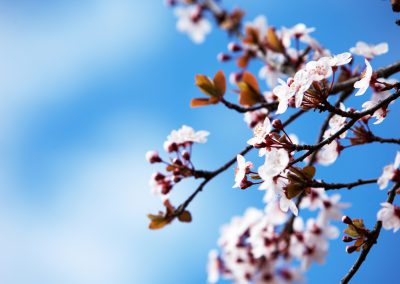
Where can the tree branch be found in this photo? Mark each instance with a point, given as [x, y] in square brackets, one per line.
[238, 108]
[208, 176]
[334, 186]
[370, 242]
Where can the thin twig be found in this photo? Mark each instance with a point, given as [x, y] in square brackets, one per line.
[370, 242]
[332, 186]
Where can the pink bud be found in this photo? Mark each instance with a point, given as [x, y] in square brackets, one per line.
[153, 157]
[158, 176]
[277, 123]
[351, 249]
[347, 239]
[223, 57]
[347, 220]
[186, 155]
[234, 47]
[234, 78]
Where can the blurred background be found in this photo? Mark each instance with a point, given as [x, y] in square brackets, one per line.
[87, 87]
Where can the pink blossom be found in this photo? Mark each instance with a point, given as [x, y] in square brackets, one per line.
[363, 84]
[260, 131]
[328, 154]
[389, 215]
[369, 51]
[241, 170]
[191, 21]
[389, 172]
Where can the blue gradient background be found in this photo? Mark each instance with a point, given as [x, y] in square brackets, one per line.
[88, 86]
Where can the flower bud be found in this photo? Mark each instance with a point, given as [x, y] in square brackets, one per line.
[153, 157]
[347, 239]
[158, 177]
[170, 147]
[277, 123]
[223, 57]
[186, 155]
[347, 220]
[177, 179]
[177, 162]
[234, 47]
[234, 78]
[351, 249]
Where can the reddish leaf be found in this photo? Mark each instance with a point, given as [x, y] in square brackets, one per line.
[185, 217]
[274, 43]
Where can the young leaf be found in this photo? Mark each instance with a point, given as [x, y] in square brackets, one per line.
[249, 90]
[274, 43]
[185, 217]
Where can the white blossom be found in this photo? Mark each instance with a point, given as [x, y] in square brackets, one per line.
[299, 31]
[319, 70]
[282, 91]
[186, 134]
[328, 154]
[213, 267]
[389, 172]
[276, 161]
[369, 51]
[301, 83]
[260, 131]
[241, 170]
[390, 216]
[332, 209]
[190, 21]
[363, 84]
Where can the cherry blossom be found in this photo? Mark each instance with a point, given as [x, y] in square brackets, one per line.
[191, 21]
[260, 131]
[252, 118]
[389, 172]
[276, 161]
[332, 209]
[369, 51]
[341, 59]
[389, 214]
[299, 31]
[328, 154]
[241, 170]
[283, 93]
[319, 70]
[376, 98]
[314, 199]
[214, 267]
[186, 134]
[336, 123]
[365, 80]
[300, 84]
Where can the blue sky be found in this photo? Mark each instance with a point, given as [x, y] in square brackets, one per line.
[89, 86]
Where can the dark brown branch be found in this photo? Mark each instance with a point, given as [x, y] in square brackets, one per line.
[383, 140]
[238, 108]
[208, 176]
[333, 186]
[370, 242]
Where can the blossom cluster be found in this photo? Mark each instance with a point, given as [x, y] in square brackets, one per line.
[258, 248]
[275, 244]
